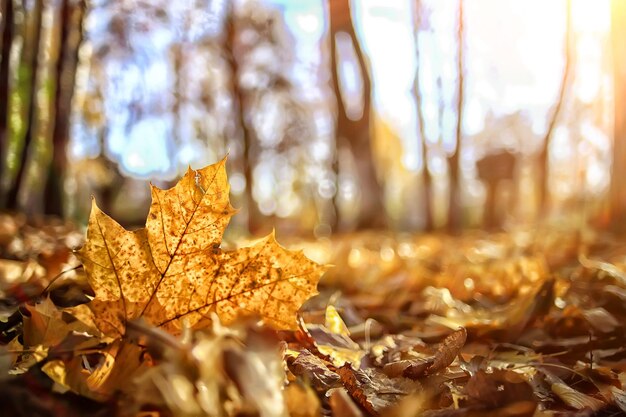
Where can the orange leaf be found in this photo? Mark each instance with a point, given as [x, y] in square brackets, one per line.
[174, 269]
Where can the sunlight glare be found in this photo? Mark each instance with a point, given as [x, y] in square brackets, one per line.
[309, 23]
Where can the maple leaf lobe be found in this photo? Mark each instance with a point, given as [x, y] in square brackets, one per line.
[191, 216]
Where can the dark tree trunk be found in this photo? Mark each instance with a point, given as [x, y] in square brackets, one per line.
[239, 110]
[6, 29]
[22, 86]
[455, 205]
[426, 186]
[36, 91]
[618, 169]
[543, 159]
[72, 14]
[355, 135]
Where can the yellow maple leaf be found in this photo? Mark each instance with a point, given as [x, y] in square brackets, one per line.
[174, 270]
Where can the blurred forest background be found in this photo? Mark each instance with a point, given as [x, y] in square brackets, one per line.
[337, 115]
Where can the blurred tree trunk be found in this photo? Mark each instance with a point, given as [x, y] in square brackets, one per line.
[30, 194]
[426, 186]
[22, 68]
[37, 81]
[242, 127]
[543, 161]
[618, 169]
[455, 205]
[6, 29]
[355, 135]
[71, 20]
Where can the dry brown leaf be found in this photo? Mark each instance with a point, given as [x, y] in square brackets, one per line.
[448, 350]
[116, 367]
[45, 332]
[570, 396]
[340, 349]
[373, 390]
[342, 405]
[500, 389]
[315, 371]
[174, 270]
[619, 398]
[333, 340]
[408, 368]
[576, 399]
[45, 325]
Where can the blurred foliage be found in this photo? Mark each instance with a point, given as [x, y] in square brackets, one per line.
[326, 126]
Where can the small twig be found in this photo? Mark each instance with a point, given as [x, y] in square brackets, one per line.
[547, 139]
[53, 280]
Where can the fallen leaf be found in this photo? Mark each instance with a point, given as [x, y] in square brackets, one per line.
[333, 340]
[373, 390]
[339, 348]
[572, 397]
[447, 351]
[576, 399]
[504, 321]
[314, 370]
[619, 398]
[47, 326]
[501, 389]
[334, 322]
[23, 359]
[116, 366]
[391, 348]
[174, 270]
[408, 368]
[342, 405]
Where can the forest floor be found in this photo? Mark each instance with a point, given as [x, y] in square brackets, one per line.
[517, 323]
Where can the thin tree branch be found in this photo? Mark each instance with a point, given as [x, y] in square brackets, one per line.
[240, 109]
[617, 190]
[455, 207]
[421, 123]
[547, 140]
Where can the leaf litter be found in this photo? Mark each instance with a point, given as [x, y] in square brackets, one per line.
[161, 321]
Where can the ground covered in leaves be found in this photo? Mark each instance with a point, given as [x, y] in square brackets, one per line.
[163, 321]
[512, 324]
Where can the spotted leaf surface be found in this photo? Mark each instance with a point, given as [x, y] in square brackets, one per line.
[174, 270]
